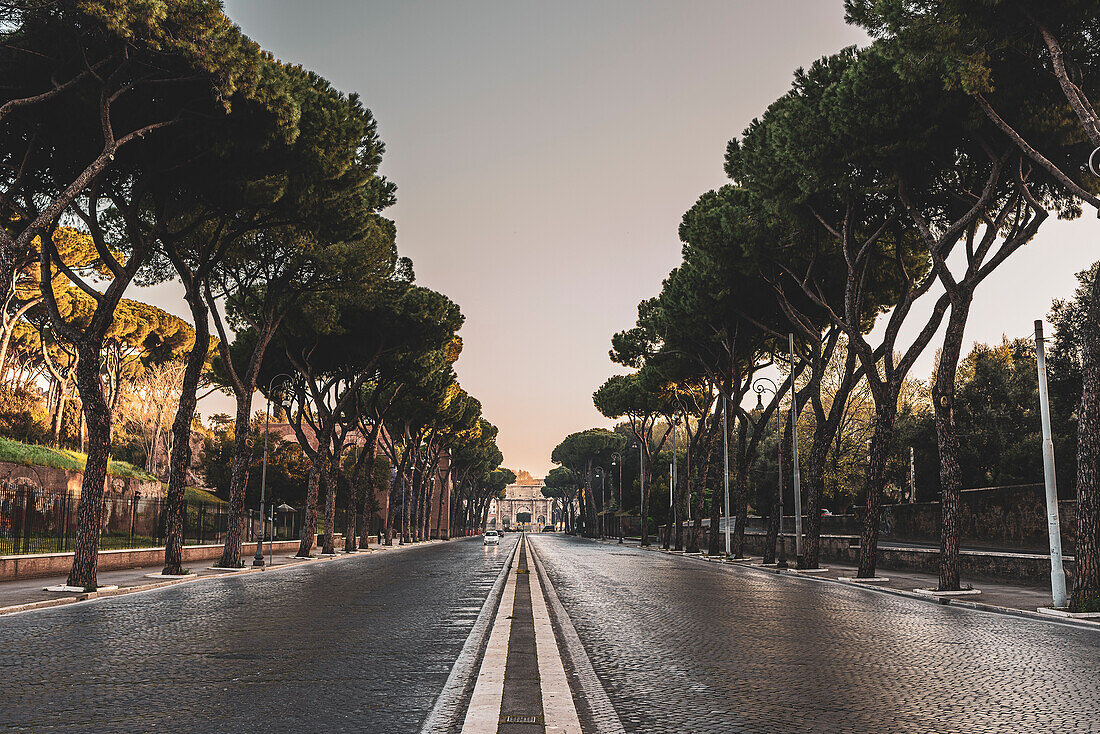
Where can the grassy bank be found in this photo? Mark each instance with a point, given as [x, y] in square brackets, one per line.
[32, 455]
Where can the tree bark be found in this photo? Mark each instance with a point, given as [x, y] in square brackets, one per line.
[180, 458]
[591, 529]
[89, 513]
[308, 535]
[329, 474]
[1086, 579]
[815, 481]
[943, 400]
[390, 509]
[876, 473]
[242, 458]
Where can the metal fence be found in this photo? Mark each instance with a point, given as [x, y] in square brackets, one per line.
[33, 520]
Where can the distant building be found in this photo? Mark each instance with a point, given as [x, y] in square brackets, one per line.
[523, 503]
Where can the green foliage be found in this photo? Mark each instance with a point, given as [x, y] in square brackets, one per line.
[22, 414]
[287, 465]
[580, 451]
[32, 455]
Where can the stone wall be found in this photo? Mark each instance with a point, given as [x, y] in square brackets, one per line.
[39, 565]
[1013, 518]
[53, 480]
[996, 517]
[1029, 568]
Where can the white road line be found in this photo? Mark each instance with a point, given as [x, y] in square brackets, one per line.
[483, 715]
[444, 712]
[605, 718]
[558, 710]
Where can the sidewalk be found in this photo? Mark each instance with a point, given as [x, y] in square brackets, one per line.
[25, 594]
[1019, 599]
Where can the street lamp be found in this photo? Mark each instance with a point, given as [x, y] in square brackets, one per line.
[258, 561]
[617, 459]
[761, 386]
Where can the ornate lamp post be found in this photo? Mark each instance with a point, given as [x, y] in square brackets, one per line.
[761, 386]
[258, 561]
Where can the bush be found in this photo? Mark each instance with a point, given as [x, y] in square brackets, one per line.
[22, 414]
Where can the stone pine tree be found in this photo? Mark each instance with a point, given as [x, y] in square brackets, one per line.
[1033, 71]
[798, 159]
[98, 84]
[638, 398]
[581, 453]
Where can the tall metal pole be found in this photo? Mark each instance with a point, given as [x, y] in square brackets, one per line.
[726, 466]
[1057, 572]
[794, 459]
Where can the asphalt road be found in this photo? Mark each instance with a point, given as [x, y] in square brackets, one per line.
[686, 646]
[358, 644]
[368, 643]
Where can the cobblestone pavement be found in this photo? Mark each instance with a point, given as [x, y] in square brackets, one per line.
[686, 646]
[361, 644]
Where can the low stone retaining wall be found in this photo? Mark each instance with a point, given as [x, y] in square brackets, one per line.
[1032, 568]
[53, 479]
[54, 564]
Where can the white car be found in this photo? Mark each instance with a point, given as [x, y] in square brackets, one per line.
[492, 537]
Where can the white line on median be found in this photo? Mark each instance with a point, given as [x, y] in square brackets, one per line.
[483, 715]
[558, 710]
[440, 718]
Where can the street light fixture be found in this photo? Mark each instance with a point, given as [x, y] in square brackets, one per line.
[761, 386]
[258, 561]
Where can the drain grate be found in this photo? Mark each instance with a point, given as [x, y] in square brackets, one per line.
[519, 719]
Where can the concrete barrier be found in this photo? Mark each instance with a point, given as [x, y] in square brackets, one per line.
[37, 565]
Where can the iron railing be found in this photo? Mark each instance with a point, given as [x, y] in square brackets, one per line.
[33, 520]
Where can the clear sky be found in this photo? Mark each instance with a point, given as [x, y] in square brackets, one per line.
[545, 152]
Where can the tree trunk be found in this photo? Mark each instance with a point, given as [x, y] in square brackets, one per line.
[880, 447]
[391, 509]
[406, 500]
[591, 530]
[242, 457]
[329, 547]
[943, 401]
[89, 513]
[815, 481]
[1086, 578]
[180, 457]
[351, 526]
[59, 416]
[308, 535]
